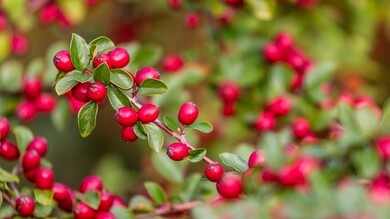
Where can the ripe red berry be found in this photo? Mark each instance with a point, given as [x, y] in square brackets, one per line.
[172, 63]
[126, 116]
[284, 42]
[32, 87]
[67, 204]
[25, 206]
[63, 62]
[26, 111]
[49, 13]
[229, 108]
[91, 183]
[291, 176]
[4, 128]
[97, 92]
[177, 151]
[80, 91]
[228, 91]
[175, 4]
[19, 44]
[45, 103]
[83, 211]
[39, 144]
[280, 106]
[104, 215]
[214, 172]
[234, 2]
[101, 58]
[188, 113]
[30, 174]
[3, 22]
[383, 147]
[106, 200]
[128, 134]
[148, 113]
[266, 121]
[272, 53]
[230, 186]
[300, 127]
[61, 191]
[31, 159]
[44, 178]
[118, 201]
[192, 20]
[146, 73]
[9, 151]
[296, 61]
[119, 57]
[256, 159]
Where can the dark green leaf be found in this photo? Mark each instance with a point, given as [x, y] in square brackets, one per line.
[171, 123]
[197, 155]
[202, 126]
[79, 52]
[140, 131]
[100, 44]
[90, 198]
[23, 137]
[279, 80]
[43, 197]
[156, 192]
[234, 161]
[151, 86]
[121, 79]
[87, 118]
[122, 212]
[65, 84]
[117, 98]
[367, 162]
[155, 137]
[102, 73]
[80, 76]
[191, 187]
[167, 168]
[6, 176]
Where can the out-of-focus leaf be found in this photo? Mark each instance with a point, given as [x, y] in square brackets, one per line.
[141, 203]
[61, 115]
[23, 137]
[74, 10]
[42, 211]
[262, 9]
[122, 212]
[156, 192]
[11, 76]
[6, 176]
[146, 55]
[272, 150]
[366, 162]
[167, 168]
[35, 67]
[367, 121]
[90, 198]
[191, 187]
[43, 197]
[384, 126]
[234, 161]
[318, 75]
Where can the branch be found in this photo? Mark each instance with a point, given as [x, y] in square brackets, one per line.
[8, 199]
[171, 209]
[12, 185]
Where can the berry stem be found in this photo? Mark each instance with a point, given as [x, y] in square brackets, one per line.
[170, 209]
[12, 185]
[8, 199]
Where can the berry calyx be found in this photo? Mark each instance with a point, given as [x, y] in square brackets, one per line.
[188, 113]
[104, 215]
[177, 151]
[31, 159]
[300, 127]
[256, 159]
[228, 91]
[97, 92]
[128, 134]
[102, 58]
[172, 63]
[146, 73]
[106, 200]
[44, 178]
[214, 172]
[45, 102]
[126, 116]
[281, 106]
[83, 211]
[62, 61]
[61, 191]
[9, 151]
[80, 91]
[32, 87]
[4, 128]
[25, 206]
[39, 144]
[229, 186]
[119, 57]
[26, 111]
[91, 183]
[148, 113]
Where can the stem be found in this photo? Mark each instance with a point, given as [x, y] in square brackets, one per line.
[170, 209]
[8, 199]
[12, 185]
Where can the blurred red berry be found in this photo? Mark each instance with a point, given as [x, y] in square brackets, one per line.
[230, 186]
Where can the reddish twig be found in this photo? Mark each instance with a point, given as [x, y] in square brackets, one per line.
[170, 209]
[8, 199]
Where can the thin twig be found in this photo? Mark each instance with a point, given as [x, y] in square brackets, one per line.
[170, 209]
[12, 185]
[8, 199]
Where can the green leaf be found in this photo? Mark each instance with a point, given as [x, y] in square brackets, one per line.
[384, 125]
[141, 203]
[35, 67]
[42, 211]
[100, 44]
[272, 149]
[23, 137]
[102, 74]
[279, 80]
[65, 84]
[6, 176]
[90, 198]
[167, 168]
[191, 187]
[79, 52]
[366, 162]
[156, 192]
[6, 210]
[147, 55]
[140, 131]
[202, 126]
[61, 115]
[367, 121]
[11, 73]
[87, 118]
[234, 161]
[117, 98]
[172, 125]
[80, 76]
[151, 86]
[155, 137]
[197, 155]
[122, 212]
[44, 197]
[121, 79]
[346, 117]
[318, 75]
[262, 9]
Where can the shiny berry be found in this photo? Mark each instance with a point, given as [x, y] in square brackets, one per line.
[83, 211]
[272, 53]
[177, 151]
[383, 147]
[4, 128]
[49, 13]
[25, 206]
[266, 121]
[97, 92]
[61, 191]
[30, 174]
[44, 178]
[281, 106]
[91, 183]
[119, 57]
[63, 62]
[32, 87]
[104, 215]
[188, 113]
[128, 134]
[228, 91]
[256, 159]
[80, 91]
[300, 127]
[101, 58]
[172, 63]
[214, 172]
[106, 200]
[126, 116]
[26, 111]
[31, 159]
[9, 151]
[146, 73]
[192, 20]
[148, 113]
[39, 144]
[66, 204]
[45, 103]
[230, 186]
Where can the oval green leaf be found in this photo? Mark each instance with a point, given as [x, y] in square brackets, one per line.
[170, 123]
[102, 73]
[79, 52]
[117, 98]
[151, 86]
[197, 155]
[23, 136]
[155, 137]
[234, 161]
[100, 44]
[202, 126]
[65, 84]
[87, 118]
[156, 192]
[121, 79]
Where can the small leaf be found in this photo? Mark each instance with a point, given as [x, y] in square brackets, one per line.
[90, 198]
[367, 121]
[6, 176]
[141, 203]
[234, 161]
[44, 197]
[202, 126]
[197, 155]
[155, 137]
[140, 131]
[122, 212]
[102, 73]
[99, 45]
[87, 118]
[79, 52]
[23, 137]
[151, 86]
[121, 79]
[65, 84]
[172, 125]
[156, 192]
[167, 168]
[42, 211]
[117, 98]
[80, 76]
[346, 117]
[191, 187]
[61, 115]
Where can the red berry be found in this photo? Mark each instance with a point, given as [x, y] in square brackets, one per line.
[80, 91]
[104, 215]
[83, 211]
[91, 183]
[3, 22]
[126, 116]
[177, 151]
[45, 103]
[230, 186]
[272, 53]
[228, 91]
[4, 128]
[229, 108]
[119, 57]
[32, 87]
[19, 44]
[291, 176]
[101, 58]
[66, 204]
[118, 202]
[26, 111]
[128, 134]
[148, 113]
[39, 144]
[284, 42]
[61, 192]
[30, 174]
[256, 159]
[296, 61]
[146, 73]
[300, 127]
[188, 113]
[175, 4]
[106, 200]
[280, 106]
[25, 206]
[192, 20]
[234, 2]
[62, 61]
[31, 160]
[383, 147]
[266, 121]
[172, 63]
[49, 13]
[44, 178]
[214, 172]
[97, 91]
[9, 151]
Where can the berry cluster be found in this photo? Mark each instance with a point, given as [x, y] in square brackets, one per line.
[279, 107]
